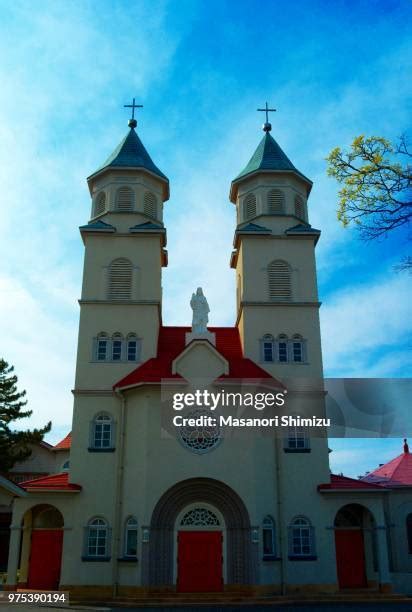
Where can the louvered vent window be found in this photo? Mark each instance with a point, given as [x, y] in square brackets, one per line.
[299, 208]
[276, 201]
[100, 205]
[150, 204]
[250, 206]
[279, 281]
[124, 199]
[120, 280]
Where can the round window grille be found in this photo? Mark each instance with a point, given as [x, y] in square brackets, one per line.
[200, 517]
[200, 438]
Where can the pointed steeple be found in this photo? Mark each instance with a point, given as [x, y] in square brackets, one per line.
[268, 157]
[132, 154]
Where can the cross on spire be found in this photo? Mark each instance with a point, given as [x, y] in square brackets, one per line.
[267, 126]
[132, 121]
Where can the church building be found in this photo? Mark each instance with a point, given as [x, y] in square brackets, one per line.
[140, 511]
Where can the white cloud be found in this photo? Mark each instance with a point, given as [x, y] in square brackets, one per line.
[363, 318]
[42, 349]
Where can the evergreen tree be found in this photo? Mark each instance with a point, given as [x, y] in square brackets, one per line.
[14, 445]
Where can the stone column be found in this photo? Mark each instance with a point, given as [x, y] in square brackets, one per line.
[25, 548]
[385, 585]
[13, 563]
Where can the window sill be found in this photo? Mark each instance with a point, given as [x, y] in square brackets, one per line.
[100, 450]
[297, 450]
[302, 558]
[112, 361]
[271, 558]
[285, 362]
[97, 559]
[127, 559]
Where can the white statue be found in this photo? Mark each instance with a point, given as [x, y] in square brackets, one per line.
[200, 309]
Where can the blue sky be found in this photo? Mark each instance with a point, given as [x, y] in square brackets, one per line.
[333, 71]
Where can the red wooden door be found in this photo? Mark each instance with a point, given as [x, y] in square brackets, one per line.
[350, 558]
[199, 561]
[45, 559]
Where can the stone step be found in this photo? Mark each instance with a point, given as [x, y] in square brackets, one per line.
[240, 600]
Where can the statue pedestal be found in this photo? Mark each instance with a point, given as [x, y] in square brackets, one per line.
[207, 335]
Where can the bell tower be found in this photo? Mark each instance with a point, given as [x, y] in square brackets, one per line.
[274, 260]
[124, 243]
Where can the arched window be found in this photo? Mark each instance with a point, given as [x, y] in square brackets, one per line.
[200, 517]
[130, 537]
[276, 201]
[297, 349]
[268, 346]
[66, 466]
[279, 281]
[150, 204]
[282, 349]
[301, 538]
[268, 537]
[100, 204]
[409, 532]
[120, 280]
[117, 342]
[102, 345]
[249, 206]
[132, 346]
[299, 208]
[283, 356]
[97, 538]
[297, 439]
[124, 199]
[47, 517]
[102, 434]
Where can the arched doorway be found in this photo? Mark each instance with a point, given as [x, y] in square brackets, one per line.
[352, 524]
[43, 528]
[199, 540]
[192, 494]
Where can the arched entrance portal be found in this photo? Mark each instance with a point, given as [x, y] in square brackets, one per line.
[200, 493]
[42, 546]
[200, 549]
[353, 537]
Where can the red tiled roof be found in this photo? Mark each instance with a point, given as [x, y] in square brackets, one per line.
[54, 482]
[395, 473]
[64, 444]
[338, 482]
[172, 342]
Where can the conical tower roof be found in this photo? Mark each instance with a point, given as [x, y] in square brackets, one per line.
[131, 153]
[268, 157]
[395, 473]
